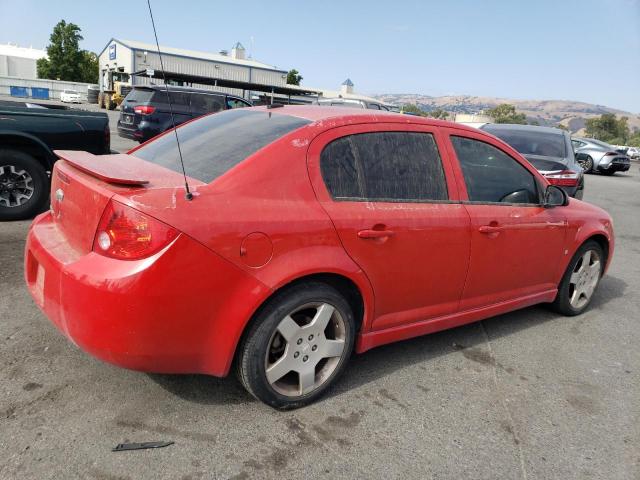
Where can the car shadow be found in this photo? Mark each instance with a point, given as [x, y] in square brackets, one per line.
[385, 360]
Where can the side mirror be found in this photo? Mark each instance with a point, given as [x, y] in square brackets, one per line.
[555, 197]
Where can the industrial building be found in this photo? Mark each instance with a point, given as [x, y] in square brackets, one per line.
[19, 62]
[138, 63]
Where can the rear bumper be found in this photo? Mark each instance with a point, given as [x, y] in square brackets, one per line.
[615, 166]
[181, 310]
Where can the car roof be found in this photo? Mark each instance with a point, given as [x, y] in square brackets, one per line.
[520, 127]
[319, 113]
[174, 88]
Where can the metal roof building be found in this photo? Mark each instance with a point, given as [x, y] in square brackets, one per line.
[129, 57]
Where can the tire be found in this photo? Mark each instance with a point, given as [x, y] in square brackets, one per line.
[21, 176]
[587, 164]
[292, 369]
[579, 276]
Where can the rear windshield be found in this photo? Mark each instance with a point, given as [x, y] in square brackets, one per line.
[545, 144]
[216, 143]
[139, 95]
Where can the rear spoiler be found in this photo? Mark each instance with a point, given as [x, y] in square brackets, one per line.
[120, 168]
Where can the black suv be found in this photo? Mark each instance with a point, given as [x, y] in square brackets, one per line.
[145, 113]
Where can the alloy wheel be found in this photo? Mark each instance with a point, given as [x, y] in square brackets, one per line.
[305, 349]
[584, 279]
[16, 186]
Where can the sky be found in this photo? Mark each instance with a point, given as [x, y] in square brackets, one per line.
[585, 50]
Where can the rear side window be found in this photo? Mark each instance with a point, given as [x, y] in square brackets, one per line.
[214, 144]
[384, 166]
[493, 176]
[203, 103]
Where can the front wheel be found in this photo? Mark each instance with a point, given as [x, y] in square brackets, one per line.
[24, 186]
[297, 346]
[580, 280]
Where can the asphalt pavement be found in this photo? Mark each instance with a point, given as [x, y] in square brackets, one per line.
[527, 395]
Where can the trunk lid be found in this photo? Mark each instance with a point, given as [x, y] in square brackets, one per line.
[82, 185]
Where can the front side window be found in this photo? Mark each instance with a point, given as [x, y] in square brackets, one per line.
[236, 103]
[384, 166]
[493, 176]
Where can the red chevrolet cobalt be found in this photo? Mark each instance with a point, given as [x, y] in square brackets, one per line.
[312, 232]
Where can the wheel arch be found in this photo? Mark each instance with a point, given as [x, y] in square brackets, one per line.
[352, 289]
[29, 144]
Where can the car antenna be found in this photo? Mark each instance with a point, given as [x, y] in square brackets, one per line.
[188, 195]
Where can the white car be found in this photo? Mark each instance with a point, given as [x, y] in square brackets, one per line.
[70, 96]
[633, 152]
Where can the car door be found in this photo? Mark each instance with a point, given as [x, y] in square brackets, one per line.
[517, 245]
[386, 188]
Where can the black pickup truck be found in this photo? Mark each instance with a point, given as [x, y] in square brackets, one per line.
[28, 135]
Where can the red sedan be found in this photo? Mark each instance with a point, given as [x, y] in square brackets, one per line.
[312, 232]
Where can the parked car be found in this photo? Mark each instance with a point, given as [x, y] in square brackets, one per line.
[596, 156]
[29, 133]
[633, 152]
[145, 112]
[70, 96]
[311, 232]
[351, 103]
[548, 149]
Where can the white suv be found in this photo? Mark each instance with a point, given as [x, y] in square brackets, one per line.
[633, 152]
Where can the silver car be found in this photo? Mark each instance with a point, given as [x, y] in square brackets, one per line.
[596, 156]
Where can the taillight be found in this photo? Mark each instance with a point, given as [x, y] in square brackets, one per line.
[127, 234]
[144, 109]
[564, 178]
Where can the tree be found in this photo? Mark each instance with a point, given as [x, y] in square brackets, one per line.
[506, 113]
[90, 67]
[294, 77]
[608, 128]
[414, 109]
[65, 59]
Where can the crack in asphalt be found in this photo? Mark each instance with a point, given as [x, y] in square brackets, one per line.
[513, 431]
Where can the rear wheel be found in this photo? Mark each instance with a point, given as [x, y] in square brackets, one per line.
[580, 280]
[23, 185]
[586, 164]
[297, 346]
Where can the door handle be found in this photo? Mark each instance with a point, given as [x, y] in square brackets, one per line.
[490, 229]
[368, 234]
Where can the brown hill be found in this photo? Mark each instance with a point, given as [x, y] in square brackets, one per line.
[546, 112]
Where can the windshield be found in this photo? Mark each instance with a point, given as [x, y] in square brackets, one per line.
[216, 143]
[545, 144]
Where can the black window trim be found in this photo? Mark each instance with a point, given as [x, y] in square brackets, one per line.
[356, 155]
[478, 202]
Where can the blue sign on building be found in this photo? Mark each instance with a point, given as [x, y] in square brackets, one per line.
[112, 52]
